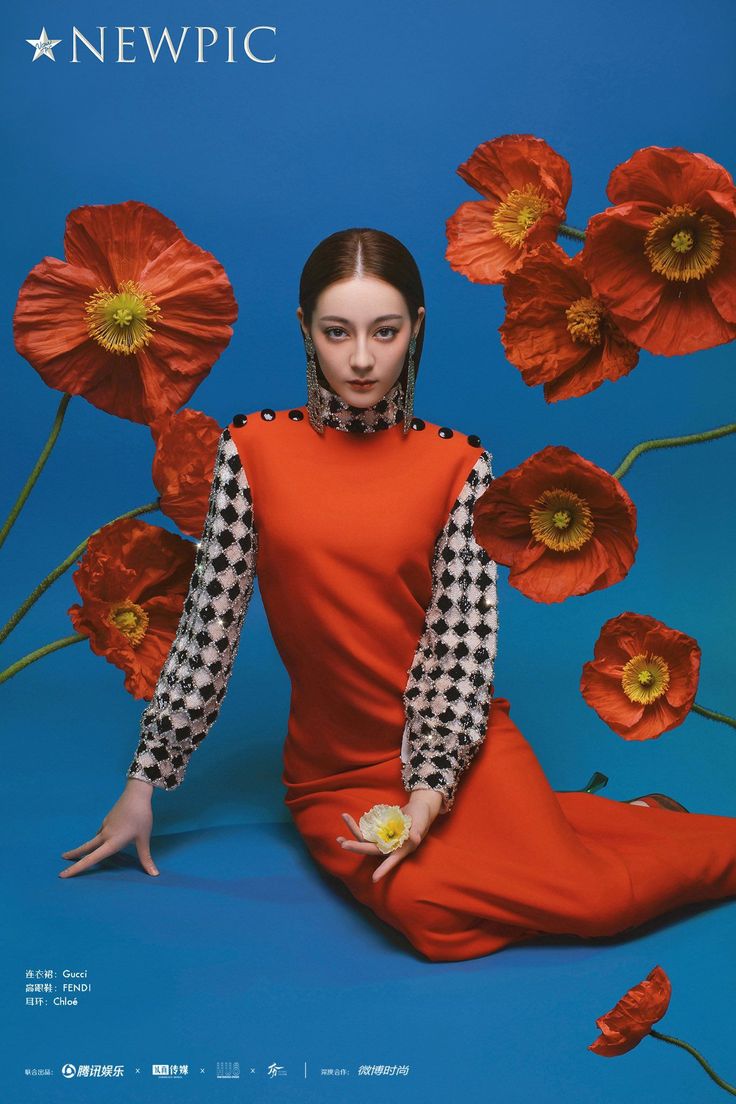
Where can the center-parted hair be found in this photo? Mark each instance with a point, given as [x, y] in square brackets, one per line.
[362, 251]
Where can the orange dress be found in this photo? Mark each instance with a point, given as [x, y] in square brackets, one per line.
[346, 524]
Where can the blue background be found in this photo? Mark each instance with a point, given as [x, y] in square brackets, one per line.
[242, 949]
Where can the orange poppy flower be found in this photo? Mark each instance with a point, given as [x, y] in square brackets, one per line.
[663, 259]
[562, 525]
[186, 446]
[527, 186]
[133, 319]
[133, 579]
[644, 677]
[556, 332]
[633, 1017]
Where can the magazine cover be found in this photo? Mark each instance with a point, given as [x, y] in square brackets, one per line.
[368, 450]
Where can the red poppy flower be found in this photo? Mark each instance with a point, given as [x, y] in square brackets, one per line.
[561, 524]
[186, 446]
[644, 677]
[663, 259]
[133, 579]
[133, 319]
[527, 186]
[633, 1017]
[556, 332]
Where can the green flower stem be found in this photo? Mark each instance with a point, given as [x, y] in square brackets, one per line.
[37, 469]
[723, 717]
[54, 646]
[566, 231]
[691, 1050]
[668, 442]
[64, 565]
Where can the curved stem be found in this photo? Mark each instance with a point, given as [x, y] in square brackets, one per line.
[37, 468]
[566, 231]
[54, 646]
[668, 442]
[64, 565]
[691, 1050]
[711, 713]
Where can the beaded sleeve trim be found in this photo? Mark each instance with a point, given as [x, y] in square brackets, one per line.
[450, 685]
[194, 677]
[339, 414]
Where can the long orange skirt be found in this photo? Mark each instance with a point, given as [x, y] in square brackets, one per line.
[514, 859]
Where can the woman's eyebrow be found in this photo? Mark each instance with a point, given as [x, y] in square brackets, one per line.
[336, 318]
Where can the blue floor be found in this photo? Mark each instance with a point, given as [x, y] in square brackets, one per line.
[242, 950]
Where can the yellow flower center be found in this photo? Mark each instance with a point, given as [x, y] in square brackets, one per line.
[120, 321]
[131, 619]
[584, 321]
[645, 678]
[390, 827]
[562, 520]
[513, 218]
[683, 244]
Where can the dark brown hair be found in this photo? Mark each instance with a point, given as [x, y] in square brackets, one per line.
[361, 250]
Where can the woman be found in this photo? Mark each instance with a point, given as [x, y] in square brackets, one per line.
[358, 517]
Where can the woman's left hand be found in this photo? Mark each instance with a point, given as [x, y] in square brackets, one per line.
[423, 807]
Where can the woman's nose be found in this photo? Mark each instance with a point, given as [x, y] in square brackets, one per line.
[361, 356]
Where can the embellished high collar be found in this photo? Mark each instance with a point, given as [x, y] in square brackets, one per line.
[340, 414]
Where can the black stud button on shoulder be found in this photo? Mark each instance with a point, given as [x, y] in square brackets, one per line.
[296, 415]
[445, 431]
[417, 423]
[240, 420]
[268, 414]
[474, 440]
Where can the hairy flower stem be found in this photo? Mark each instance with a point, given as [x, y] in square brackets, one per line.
[37, 468]
[566, 231]
[54, 646]
[712, 715]
[669, 442]
[691, 1050]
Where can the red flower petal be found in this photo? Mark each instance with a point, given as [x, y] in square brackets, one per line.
[620, 639]
[722, 283]
[502, 525]
[127, 241]
[183, 466]
[615, 264]
[536, 334]
[684, 321]
[474, 248]
[634, 1015]
[130, 561]
[116, 240]
[512, 160]
[664, 176]
[48, 321]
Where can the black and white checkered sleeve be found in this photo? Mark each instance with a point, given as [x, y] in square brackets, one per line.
[450, 685]
[194, 677]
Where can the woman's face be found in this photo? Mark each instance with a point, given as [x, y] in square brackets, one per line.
[361, 330]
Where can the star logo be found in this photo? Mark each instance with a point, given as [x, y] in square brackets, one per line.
[44, 46]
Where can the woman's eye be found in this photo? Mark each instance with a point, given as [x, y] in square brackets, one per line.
[385, 332]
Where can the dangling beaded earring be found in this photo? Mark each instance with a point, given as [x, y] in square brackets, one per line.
[314, 402]
[409, 394]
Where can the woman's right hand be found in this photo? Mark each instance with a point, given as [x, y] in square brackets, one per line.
[131, 818]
